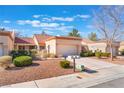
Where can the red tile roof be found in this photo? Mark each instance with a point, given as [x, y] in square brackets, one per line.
[24, 40]
[65, 37]
[88, 41]
[42, 38]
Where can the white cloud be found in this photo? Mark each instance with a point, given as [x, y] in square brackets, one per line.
[83, 16]
[69, 19]
[36, 16]
[37, 23]
[46, 19]
[34, 23]
[6, 21]
[62, 19]
[59, 28]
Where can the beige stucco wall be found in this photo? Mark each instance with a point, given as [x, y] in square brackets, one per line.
[56, 43]
[52, 44]
[36, 42]
[8, 44]
[95, 46]
[121, 47]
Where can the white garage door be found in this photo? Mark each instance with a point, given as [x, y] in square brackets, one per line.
[67, 50]
[1, 50]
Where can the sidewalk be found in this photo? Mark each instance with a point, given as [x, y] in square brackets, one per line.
[71, 81]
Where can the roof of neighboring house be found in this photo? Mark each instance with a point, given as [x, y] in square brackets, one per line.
[42, 38]
[88, 41]
[6, 33]
[24, 40]
[64, 37]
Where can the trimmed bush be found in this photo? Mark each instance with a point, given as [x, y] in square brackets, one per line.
[98, 54]
[87, 54]
[51, 55]
[5, 61]
[65, 64]
[122, 52]
[22, 61]
[105, 54]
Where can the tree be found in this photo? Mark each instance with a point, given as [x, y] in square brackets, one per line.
[92, 36]
[109, 21]
[74, 33]
[43, 33]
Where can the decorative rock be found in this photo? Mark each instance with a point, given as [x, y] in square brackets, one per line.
[80, 67]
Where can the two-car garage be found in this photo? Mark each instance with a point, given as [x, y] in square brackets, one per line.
[67, 50]
[64, 46]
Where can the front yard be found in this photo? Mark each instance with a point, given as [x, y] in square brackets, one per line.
[38, 70]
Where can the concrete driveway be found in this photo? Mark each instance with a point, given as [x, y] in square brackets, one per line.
[93, 63]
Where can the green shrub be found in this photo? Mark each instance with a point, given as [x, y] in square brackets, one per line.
[5, 61]
[22, 61]
[87, 54]
[105, 54]
[65, 64]
[17, 53]
[122, 52]
[98, 54]
[51, 55]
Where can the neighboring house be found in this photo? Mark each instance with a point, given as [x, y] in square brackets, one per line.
[121, 46]
[63, 46]
[40, 40]
[100, 45]
[6, 42]
[24, 43]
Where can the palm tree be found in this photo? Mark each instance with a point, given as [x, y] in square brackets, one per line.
[74, 33]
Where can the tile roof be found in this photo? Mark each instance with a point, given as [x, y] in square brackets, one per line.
[65, 37]
[42, 38]
[87, 41]
[24, 40]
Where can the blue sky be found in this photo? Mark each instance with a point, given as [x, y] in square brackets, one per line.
[54, 20]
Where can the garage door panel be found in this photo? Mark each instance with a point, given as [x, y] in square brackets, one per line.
[67, 50]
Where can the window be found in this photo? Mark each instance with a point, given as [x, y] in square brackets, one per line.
[31, 47]
[21, 47]
[42, 47]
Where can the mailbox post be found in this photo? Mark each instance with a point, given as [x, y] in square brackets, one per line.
[74, 64]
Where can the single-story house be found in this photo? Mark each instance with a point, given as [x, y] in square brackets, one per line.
[24, 43]
[63, 46]
[6, 42]
[40, 40]
[99, 45]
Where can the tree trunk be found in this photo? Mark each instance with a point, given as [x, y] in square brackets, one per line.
[111, 51]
